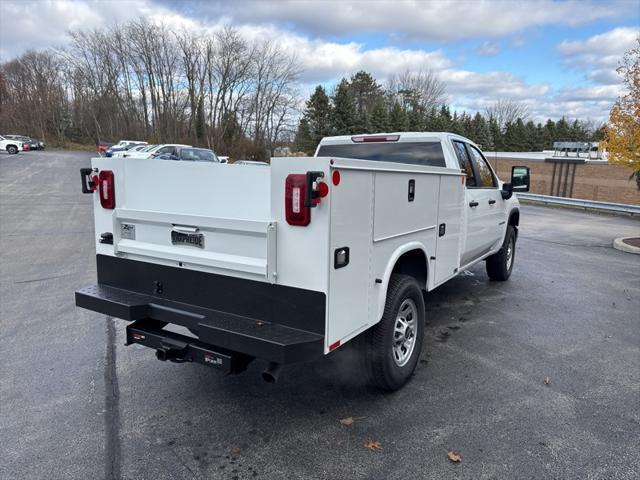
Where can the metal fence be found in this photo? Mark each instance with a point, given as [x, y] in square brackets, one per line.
[580, 203]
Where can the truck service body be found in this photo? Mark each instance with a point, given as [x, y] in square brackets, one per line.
[290, 262]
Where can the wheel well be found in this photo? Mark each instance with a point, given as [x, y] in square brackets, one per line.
[514, 220]
[413, 263]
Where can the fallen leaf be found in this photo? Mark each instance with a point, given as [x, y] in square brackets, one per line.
[371, 445]
[546, 380]
[454, 457]
[235, 450]
[346, 421]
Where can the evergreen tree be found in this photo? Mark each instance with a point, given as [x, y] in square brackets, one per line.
[455, 124]
[398, 118]
[549, 135]
[344, 112]
[318, 115]
[562, 130]
[303, 141]
[540, 139]
[415, 120]
[530, 139]
[430, 120]
[380, 117]
[515, 136]
[579, 130]
[497, 137]
[599, 133]
[443, 121]
[481, 133]
[466, 126]
[366, 92]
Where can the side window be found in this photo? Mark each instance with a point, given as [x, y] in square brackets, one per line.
[486, 176]
[465, 163]
[166, 150]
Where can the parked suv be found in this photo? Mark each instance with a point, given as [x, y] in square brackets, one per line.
[190, 154]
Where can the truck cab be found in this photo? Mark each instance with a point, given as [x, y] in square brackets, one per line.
[291, 262]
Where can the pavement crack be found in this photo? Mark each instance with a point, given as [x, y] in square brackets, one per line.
[184, 464]
[586, 245]
[112, 406]
[43, 278]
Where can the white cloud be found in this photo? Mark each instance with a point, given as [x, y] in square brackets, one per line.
[325, 61]
[488, 49]
[434, 20]
[605, 45]
[598, 56]
[45, 23]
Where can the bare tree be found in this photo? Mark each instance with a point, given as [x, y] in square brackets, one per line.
[421, 90]
[145, 80]
[507, 110]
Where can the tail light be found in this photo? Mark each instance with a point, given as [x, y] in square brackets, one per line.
[295, 192]
[107, 189]
[302, 193]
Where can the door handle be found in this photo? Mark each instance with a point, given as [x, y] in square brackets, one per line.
[492, 201]
[473, 203]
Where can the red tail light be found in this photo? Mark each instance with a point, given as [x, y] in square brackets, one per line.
[107, 189]
[295, 192]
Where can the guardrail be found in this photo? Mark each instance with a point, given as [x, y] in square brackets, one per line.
[580, 203]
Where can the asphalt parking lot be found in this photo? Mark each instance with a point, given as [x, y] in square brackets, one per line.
[76, 403]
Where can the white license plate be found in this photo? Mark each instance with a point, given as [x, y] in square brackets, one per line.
[192, 239]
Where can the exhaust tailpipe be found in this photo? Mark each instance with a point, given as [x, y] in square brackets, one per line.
[272, 372]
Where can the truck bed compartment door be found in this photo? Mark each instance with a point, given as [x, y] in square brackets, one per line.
[448, 243]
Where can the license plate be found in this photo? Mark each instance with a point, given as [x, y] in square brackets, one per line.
[193, 239]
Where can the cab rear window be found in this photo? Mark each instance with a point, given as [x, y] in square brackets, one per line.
[413, 153]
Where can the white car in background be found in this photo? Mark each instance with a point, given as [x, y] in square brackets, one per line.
[166, 148]
[11, 146]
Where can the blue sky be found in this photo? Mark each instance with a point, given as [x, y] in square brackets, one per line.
[557, 57]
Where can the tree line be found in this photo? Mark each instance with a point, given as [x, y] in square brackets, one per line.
[147, 81]
[416, 102]
[151, 82]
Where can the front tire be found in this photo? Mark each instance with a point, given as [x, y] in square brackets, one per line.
[12, 149]
[392, 347]
[500, 264]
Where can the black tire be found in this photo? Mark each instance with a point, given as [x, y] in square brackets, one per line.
[500, 264]
[379, 355]
[12, 149]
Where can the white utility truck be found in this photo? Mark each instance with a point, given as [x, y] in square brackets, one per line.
[288, 263]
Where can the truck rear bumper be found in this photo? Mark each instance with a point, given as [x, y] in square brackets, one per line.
[279, 325]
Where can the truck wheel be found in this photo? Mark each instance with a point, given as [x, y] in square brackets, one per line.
[393, 346]
[499, 265]
[12, 149]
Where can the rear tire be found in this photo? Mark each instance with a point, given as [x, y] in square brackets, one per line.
[392, 347]
[12, 149]
[500, 264]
